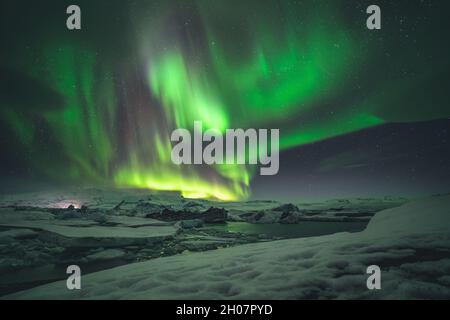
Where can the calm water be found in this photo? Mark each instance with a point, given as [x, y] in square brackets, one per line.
[303, 229]
[31, 277]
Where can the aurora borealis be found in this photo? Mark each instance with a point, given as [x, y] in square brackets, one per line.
[97, 106]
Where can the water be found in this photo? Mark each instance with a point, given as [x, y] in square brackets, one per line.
[30, 277]
[303, 229]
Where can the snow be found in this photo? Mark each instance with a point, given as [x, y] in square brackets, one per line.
[420, 216]
[106, 255]
[411, 244]
[128, 227]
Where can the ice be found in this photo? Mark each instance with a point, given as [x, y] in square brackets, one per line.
[79, 228]
[106, 255]
[420, 216]
[411, 244]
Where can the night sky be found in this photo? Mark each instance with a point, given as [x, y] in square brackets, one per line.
[361, 112]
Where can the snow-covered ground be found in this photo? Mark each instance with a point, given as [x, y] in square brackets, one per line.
[82, 228]
[411, 244]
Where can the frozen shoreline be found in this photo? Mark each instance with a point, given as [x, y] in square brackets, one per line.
[411, 244]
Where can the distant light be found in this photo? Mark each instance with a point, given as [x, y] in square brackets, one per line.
[64, 204]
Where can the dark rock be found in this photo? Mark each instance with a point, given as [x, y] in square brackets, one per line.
[212, 215]
[84, 209]
[192, 205]
[117, 207]
[290, 218]
[71, 207]
[189, 224]
[286, 208]
[246, 214]
[148, 207]
[290, 214]
[285, 215]
[258, 216]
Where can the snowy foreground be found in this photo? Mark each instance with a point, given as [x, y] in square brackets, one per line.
[411, 244]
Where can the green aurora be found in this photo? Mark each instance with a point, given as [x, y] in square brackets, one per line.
[301, 68]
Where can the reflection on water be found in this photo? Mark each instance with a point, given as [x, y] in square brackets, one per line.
[303, 229]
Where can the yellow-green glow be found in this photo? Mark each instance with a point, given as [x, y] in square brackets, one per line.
[269, 65]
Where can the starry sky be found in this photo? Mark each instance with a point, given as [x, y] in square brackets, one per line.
[361, 112]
